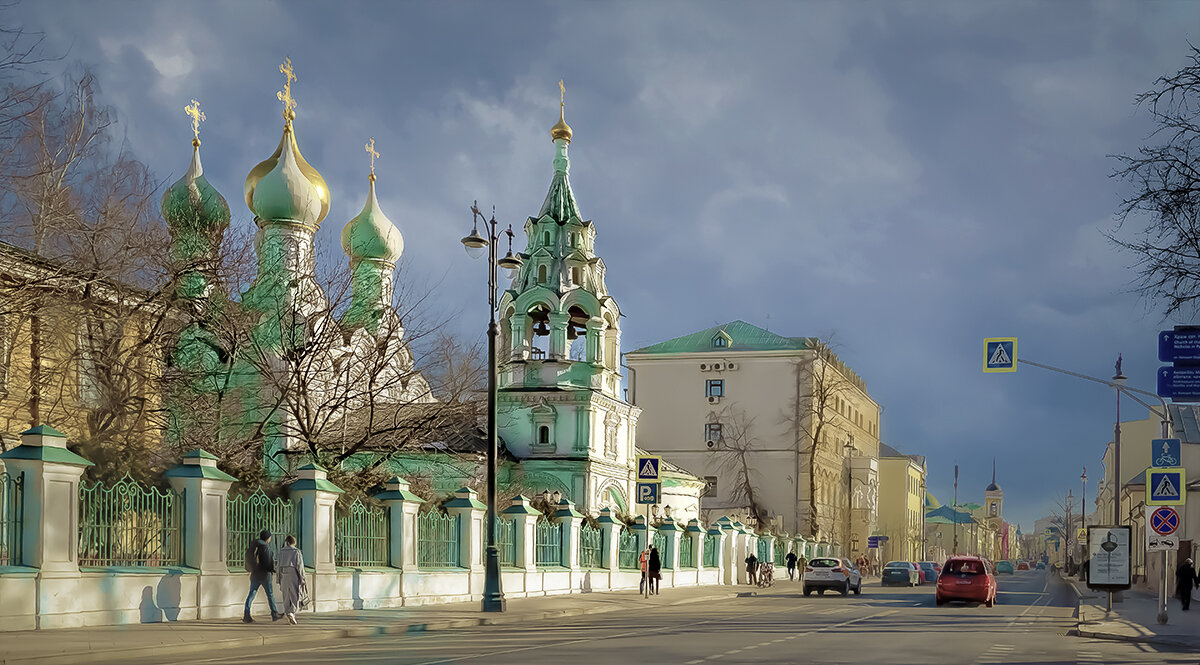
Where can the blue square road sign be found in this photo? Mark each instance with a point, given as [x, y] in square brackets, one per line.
[1000, 354]
[647, 493]
[648, 468]
[1166, 487]
[1165, 453]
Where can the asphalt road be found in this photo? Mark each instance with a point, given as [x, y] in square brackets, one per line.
[1030, 623]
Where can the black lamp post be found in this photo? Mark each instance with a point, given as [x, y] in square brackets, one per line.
[493, 595]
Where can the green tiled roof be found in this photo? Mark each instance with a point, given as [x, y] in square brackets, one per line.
[741, 337]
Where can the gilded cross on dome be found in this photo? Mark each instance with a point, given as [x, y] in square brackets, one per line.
[197, 116]
[285, 95]
[370, 148]
[562, 93]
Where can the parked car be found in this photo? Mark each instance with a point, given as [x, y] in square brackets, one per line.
[1004, 567]
[966, 578]
[904, 573]
[1041, 565]
[930, 572]
[1024, 565]
[839, 575]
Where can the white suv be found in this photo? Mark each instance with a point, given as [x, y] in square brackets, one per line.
[824, 573]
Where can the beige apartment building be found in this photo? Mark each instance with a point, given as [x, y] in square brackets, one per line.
[742, 406]
[902, 504]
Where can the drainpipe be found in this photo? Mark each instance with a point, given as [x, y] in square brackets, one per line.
[632, 380]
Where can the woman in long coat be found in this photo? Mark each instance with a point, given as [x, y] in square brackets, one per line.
[290, 578]
[1185, 580]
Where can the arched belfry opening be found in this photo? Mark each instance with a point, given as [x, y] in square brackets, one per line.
[577, 321]
[538, 337]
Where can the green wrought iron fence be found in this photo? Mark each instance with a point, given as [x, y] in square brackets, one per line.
[11, 511]
[247, 516]
[627, 549]
[506, 541]
[362, 536]
[437, 540]
[687, 552]
[711, 542]
[548, 543]
[126, 524]
[780, 552]
[764, 550]
[591, 546]
[660, 541]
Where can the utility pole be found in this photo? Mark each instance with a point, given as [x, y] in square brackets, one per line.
[956, 509]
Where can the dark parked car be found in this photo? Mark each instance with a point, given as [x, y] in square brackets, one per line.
[903, 573]
[931, 572]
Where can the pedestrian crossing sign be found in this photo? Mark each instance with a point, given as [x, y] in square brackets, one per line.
[1166, 487]
[648, 467]
[1000, 354]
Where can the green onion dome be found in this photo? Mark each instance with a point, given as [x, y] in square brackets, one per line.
[195, 211]
[285, 187]
[371, 235]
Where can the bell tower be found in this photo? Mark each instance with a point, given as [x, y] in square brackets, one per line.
[560, 339]
[993, 499]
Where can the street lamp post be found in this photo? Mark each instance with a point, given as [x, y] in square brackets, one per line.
[493, 595]
[849, 448]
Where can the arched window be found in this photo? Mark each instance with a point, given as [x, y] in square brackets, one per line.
[577, 276]
[543, 435]
[542, 274]
[546, 238]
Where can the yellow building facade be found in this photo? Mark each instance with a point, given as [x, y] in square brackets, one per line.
[902, 504]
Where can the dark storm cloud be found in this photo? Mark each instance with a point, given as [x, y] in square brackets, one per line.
[912, 176]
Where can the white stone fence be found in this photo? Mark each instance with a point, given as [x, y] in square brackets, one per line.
[180, 558]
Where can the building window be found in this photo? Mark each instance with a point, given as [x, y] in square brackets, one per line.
[543, 435]
[541, 274]
[576, 276]
[713, 431]
[546, 238]
[710, 486]
[719, 341]
[714, 388]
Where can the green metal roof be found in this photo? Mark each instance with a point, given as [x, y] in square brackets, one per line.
[741, 336]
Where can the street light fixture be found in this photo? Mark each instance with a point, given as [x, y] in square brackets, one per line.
[493, 595]
[849, 449]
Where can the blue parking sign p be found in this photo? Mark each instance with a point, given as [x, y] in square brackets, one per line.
[647, 493]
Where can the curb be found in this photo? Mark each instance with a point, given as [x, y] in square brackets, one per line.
[1156, 641]
[397, 628]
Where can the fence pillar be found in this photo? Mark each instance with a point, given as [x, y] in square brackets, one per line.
[731, 563]
[696, 533]
[316, 497]
[611, 527]
[572, 521]
[50, 494]
[643, 532]
[722, 561]
[50, 524]
[402, 511]
[670, 558]
[205, 489]
[525, 519]
[470, 511]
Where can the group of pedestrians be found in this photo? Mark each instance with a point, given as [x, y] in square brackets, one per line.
[288, 572]
[651, 565]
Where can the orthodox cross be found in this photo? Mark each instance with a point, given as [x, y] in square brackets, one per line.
[197, 116]
[562, 93]
[285, 95]
[370, 147]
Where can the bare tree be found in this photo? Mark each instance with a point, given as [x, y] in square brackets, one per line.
[820, 387]
[738, 447]
[1164, 177]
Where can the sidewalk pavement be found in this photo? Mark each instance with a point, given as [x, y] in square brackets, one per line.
[101, 644]
[1135, 618]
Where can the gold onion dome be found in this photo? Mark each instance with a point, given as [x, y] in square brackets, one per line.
[286, 187]
[371, 235]
[560, 130]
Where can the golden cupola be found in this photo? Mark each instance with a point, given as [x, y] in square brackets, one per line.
[561, 130]
[284, 186]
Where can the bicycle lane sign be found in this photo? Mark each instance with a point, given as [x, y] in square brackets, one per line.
[1165, 453]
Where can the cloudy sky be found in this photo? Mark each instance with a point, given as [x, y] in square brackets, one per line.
[910, 177]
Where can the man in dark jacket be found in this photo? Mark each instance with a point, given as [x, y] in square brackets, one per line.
[1185, 581]
[655, 570]
[790, 560]
[752, 568]
[261, 564]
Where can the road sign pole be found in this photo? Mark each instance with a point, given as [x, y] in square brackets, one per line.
[1162, 591]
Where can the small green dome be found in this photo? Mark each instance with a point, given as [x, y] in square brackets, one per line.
[287, 194]
[371, 235]
[194, 210]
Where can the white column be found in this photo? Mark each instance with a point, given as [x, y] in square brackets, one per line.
[316, 497]
[572, 521]
[526, 518]
[402, 513]
[470, 511]
[50, 524]
[610, 557]
[205, 490]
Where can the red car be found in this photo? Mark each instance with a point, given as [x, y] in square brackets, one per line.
[966, 578]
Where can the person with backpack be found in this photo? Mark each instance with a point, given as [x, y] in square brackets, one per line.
[260, 563]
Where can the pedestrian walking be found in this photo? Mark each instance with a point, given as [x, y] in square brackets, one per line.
[752, 568]
[293, 587]
[260, 563]
[801, 565]
[790, 560]
[655, 568]
[644, 565]
[1185, 581]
